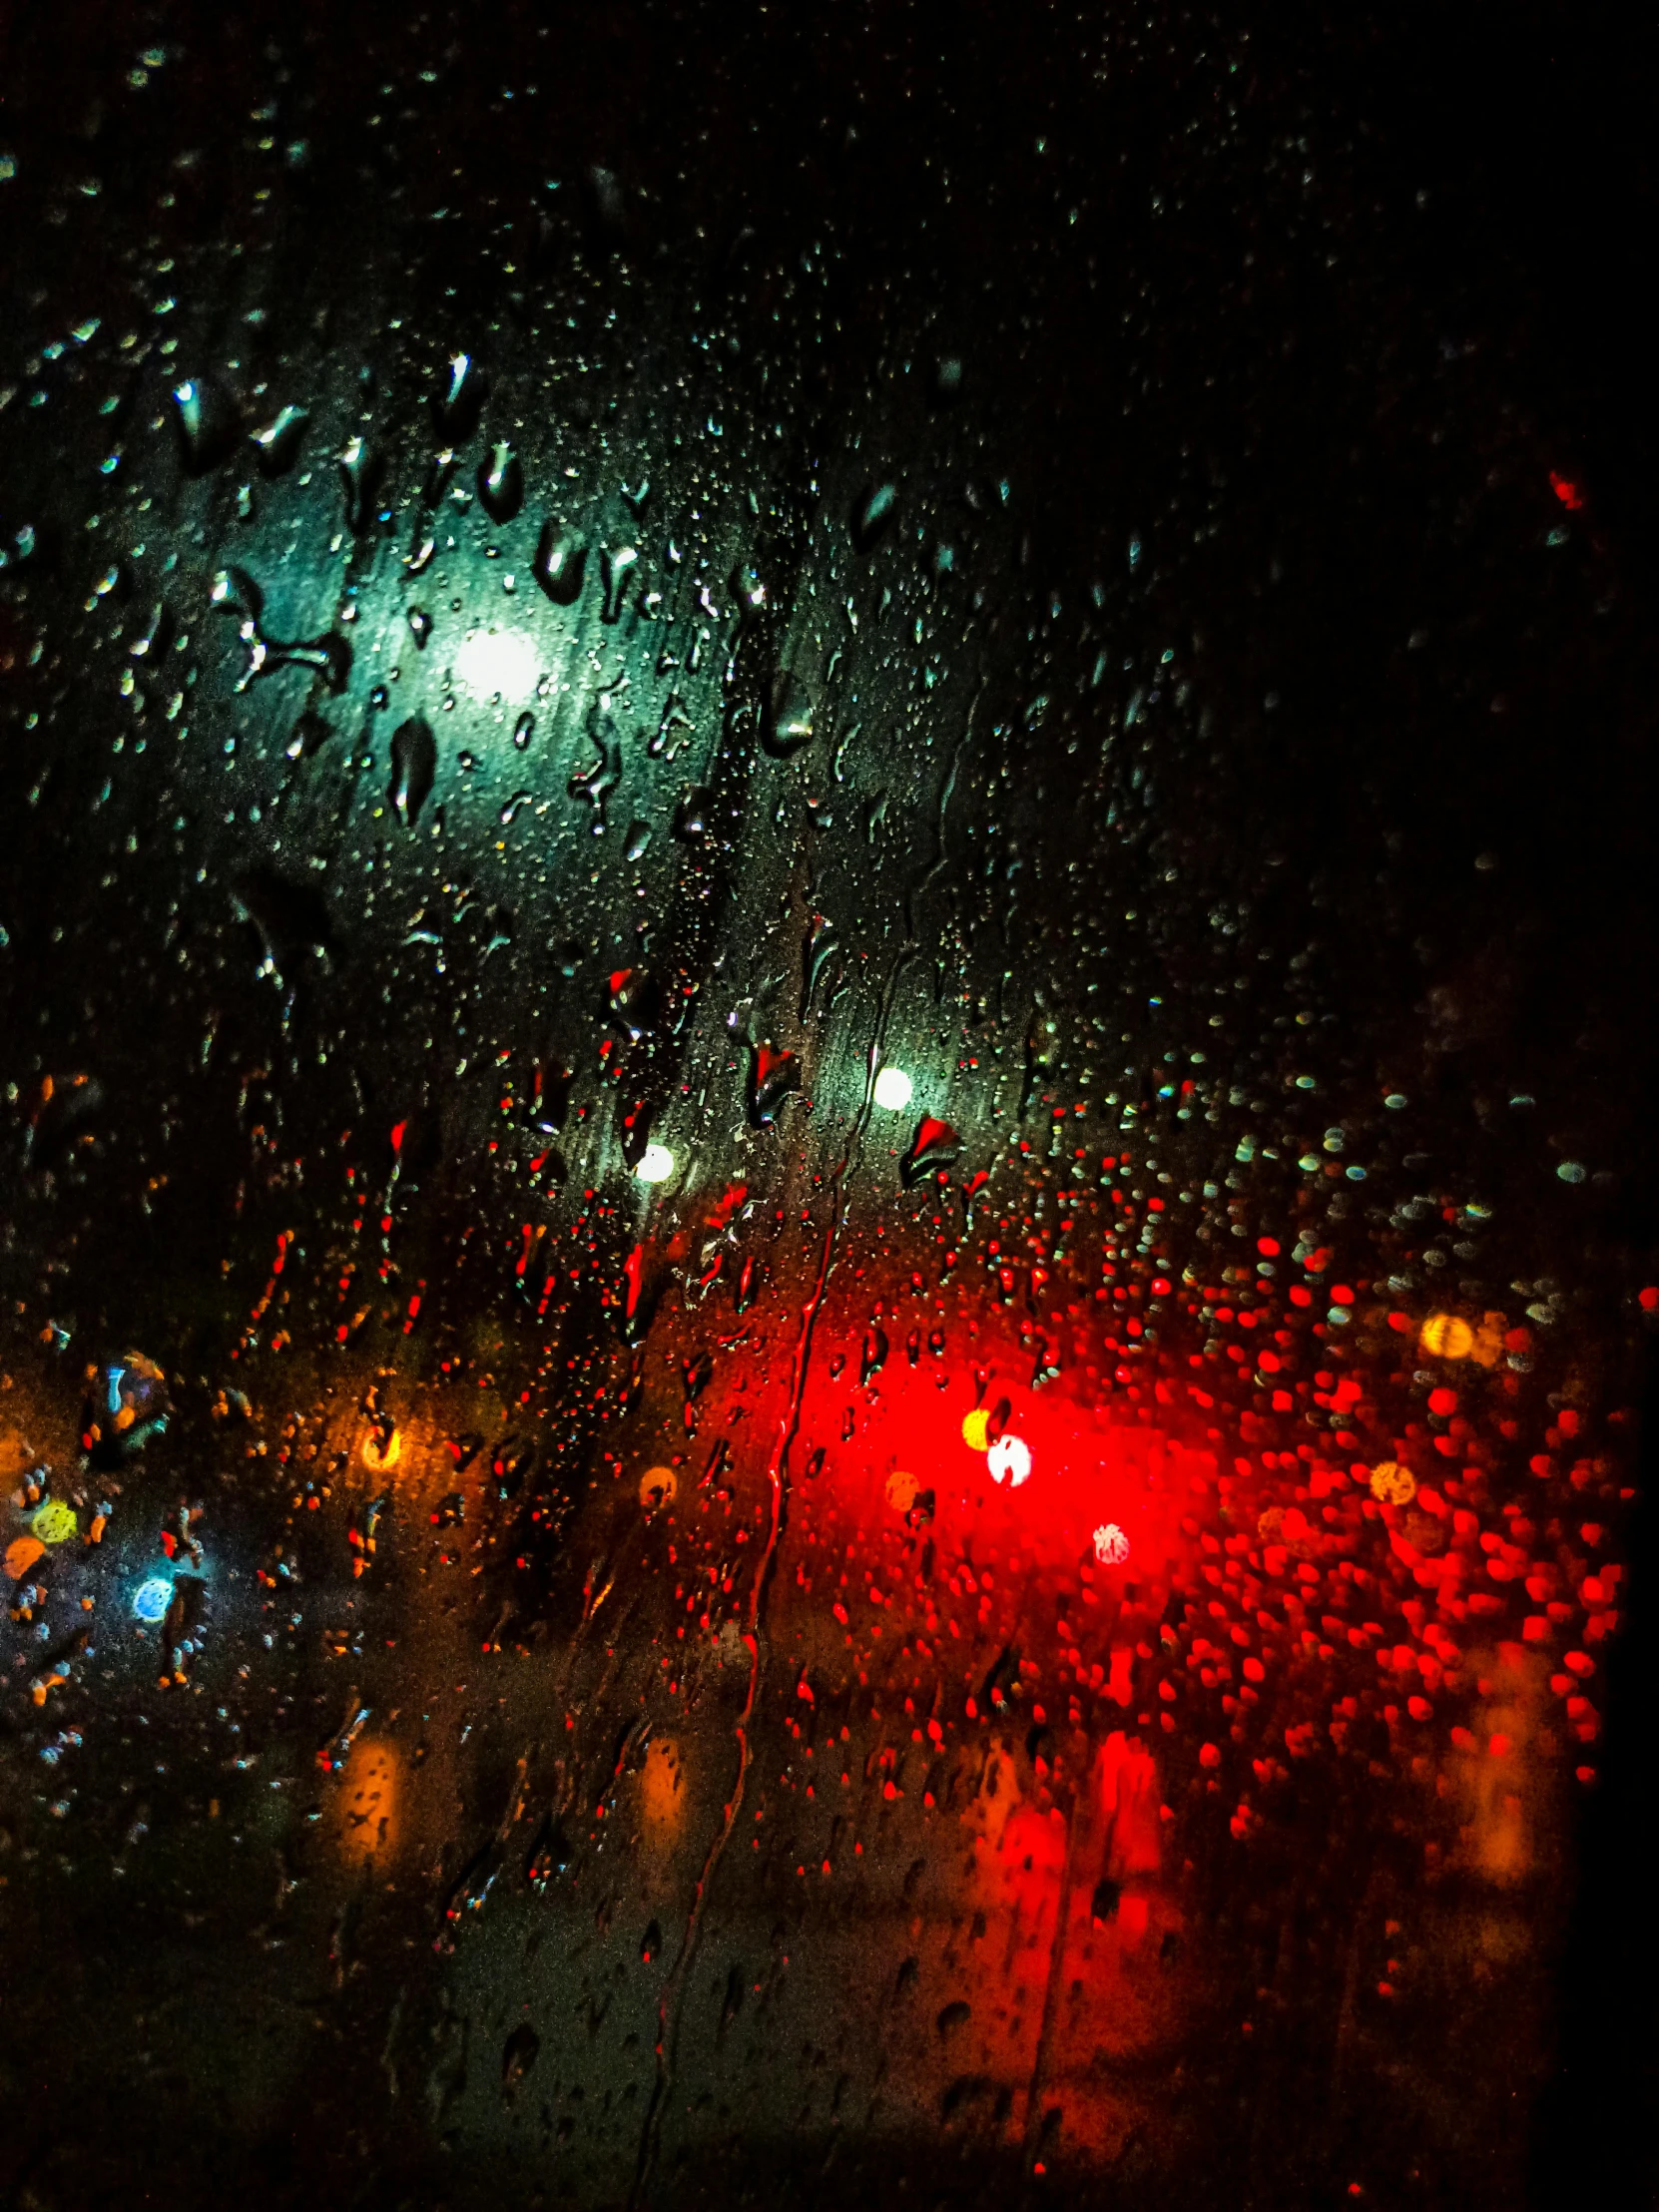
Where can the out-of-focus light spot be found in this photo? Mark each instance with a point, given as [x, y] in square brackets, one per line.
[1447, 1338]
[151, 1599]
[1111, 1546]
[367, 1819]
[892, 1090]
[54, 1522]
[662, 1789]
[1009, 1461]
[497, 660]
[1392, 1484]
[656, 1164]
[901, 1490]
[1570, 494]
[657, 1487]
[975, 1429]
[383, 1449]
[21, 1554]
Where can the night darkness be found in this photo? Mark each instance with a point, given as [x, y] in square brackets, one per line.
[828, 1231]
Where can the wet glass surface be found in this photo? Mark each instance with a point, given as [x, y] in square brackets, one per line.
[827, 1225]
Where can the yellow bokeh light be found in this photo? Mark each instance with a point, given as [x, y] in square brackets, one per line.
[54, 1522]
[1392, 1484]
[1447, 1338]
[657, 1487]
[976, 1430]
[368, 1800]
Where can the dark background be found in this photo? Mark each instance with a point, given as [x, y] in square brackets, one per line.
[1373, 436]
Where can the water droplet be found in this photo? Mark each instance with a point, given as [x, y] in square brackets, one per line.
[518, 800]
[277, 445]
[561, 558]
[208, 424]
[414, 764]
[616, 563]
[459, 401]
[873, 1356]
[789, 725]
[420, 625]
[523, 729]
[359, 468]
[691, 816]
[631, 997]
[596, 782]
[773, 1072]
[820, 949]
[639, 840]
[330, 655]
[518, 2055]
[154, 636]
[937, 1146]
[501, 483]
[750, 590]
[308, 735]
[874, 513]
[290, 919]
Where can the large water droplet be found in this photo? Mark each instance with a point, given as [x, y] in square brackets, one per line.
[819, 947]
[937, 1146]
[501, 483]
[631, 997]
[691, 816]
[789, 725]
[616, 564]
[359, 468]
[523, 729]
[773, 1072]
[459, 401]
[208, 424]
[415, 765]
[277, 445]
[561, 558]
[597, 781]
[290, 919]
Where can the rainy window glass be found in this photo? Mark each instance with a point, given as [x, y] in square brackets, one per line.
[826, 1232]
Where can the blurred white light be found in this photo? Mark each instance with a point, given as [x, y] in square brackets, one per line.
[492, 662]
[1111, 1546]
[151, 1599]
[656, 1164]
[1009, 1461]
[892, 1090]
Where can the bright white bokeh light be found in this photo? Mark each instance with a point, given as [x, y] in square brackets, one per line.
[1009, 1461]
[151, 1599]
[656, 1164]
[1111, 1546]
[892, 1090]
[492, 662]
